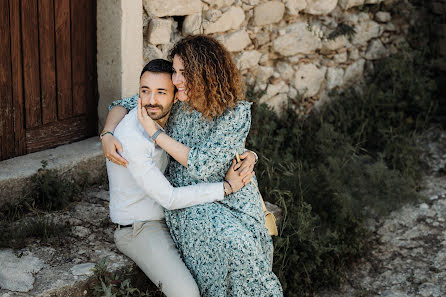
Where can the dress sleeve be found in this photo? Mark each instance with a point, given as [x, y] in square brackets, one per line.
[128, 103]
[227, 138]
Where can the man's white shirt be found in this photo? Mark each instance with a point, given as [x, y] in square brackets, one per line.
[140, 191]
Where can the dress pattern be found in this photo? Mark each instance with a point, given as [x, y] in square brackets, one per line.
[225, 244]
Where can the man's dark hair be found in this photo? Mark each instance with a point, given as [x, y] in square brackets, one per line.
[158, 66]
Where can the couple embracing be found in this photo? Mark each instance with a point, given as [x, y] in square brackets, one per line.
[200, 229]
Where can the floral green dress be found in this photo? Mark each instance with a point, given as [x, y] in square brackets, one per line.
[225, 245]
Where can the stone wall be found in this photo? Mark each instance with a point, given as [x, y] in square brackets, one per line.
[289, 49]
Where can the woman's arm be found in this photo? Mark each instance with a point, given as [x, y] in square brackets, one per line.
[182, 153]
[110, 145]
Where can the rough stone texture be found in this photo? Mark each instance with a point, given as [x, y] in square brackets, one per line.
[408, 258]
[335, 44]
[263, 73]
[365, 31]
[383, 16]
[308, 79]
[285, 70]
[294, 6]
[296, 40]
[334, 77]
[231, 19]
[353, 71]
[248, 59]
[17, 273]
[272, 90]
[151, 52]
[192, 24]
[159, 31]
[346, 4]
[318, 7]
[219, 3]
[236, 41]
[268, 13]
[72, 160]
[376, 50]
[162, 8]
[277, 103]
[64, 268]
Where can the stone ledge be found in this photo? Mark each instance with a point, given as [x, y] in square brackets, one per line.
[71, 160]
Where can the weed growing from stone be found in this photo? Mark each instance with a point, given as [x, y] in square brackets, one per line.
[16, 235]
[106, 284]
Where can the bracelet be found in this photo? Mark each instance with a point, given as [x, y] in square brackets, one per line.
[156, 134]
[257, 157]
[226, 191]
[103, 133]
[232, 191]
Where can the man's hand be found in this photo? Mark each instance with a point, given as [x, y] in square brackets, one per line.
[236, 180]
[248, 160]
[110, 147]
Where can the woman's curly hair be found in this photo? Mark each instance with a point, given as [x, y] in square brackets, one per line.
[213, 82]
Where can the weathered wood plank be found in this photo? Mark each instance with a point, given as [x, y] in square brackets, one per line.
[47, 61]
[17, 78]
[31, 73]
[79, 16]
[56, 133]
[7, 112]
[92, 93]
[63, 58]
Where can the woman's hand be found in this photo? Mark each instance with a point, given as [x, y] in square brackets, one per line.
[110, 147]
[143, 117]
[236, 180]
[248, 160]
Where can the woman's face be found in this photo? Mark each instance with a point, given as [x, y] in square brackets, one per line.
[178, 79]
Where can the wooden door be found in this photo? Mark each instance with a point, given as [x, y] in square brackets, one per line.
[48, 80]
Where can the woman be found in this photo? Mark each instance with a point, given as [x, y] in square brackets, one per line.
[225, 245]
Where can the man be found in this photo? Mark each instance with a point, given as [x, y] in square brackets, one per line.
[139, 191]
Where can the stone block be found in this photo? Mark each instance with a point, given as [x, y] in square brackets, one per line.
[354, 72]
[320, 7]
[366, 30]
[376, 50]
[268, 13]
[248, 59]
[219, 3]
[285, 70]
[162, 8]
[159, 31]
[308, 79]
[294, 6]
[296, 40]
[17, 274]
[192, 24]
[236, 41]
[231, 19]
[263, 73]
[346, 4]
[151, 52]
[383, 16]
[335, 77]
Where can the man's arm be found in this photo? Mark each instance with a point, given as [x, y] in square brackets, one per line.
[149, 178]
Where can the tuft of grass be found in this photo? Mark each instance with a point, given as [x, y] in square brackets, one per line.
[17, 234]
[107, 284]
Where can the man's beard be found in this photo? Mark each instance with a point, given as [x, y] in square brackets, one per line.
[156, 117]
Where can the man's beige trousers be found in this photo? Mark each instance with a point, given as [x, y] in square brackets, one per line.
[150, 245]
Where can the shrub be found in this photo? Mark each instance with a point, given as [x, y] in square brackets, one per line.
[353, 158]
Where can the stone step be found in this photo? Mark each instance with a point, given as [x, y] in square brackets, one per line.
[70, 160]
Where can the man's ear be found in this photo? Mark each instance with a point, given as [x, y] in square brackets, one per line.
[175, 97]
